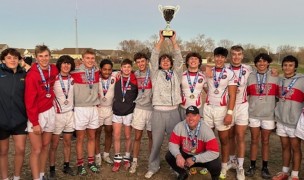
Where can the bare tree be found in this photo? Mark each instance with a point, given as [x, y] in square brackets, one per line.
[285, 50]
[226, 43]
[130, 47]
[200, 44]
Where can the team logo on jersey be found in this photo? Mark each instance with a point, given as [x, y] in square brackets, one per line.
[224, 76]
[200, 80]
[112, 81]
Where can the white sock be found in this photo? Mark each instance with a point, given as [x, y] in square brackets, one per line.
[232, 157]
[134, 159]
[285, 169]
[128, 154]
[16, 177]
[105, 154]
[224, 166]
[97, 155]
[240, 162]
[294, 173]
[41, 175]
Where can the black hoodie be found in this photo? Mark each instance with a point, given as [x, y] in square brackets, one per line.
[12, 106]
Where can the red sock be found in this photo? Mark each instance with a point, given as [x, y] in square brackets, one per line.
[90, 160]
[80, 162]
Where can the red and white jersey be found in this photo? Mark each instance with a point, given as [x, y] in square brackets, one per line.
[192, 98]
[61, 103]
[106, 99]
[219, 96]
[242, 77]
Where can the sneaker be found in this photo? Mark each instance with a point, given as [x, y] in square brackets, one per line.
[93, 167]
[280, 176]
[232, 164]
[251, 171]
[81, 171]
[204, 171]
[127, 165]
[149, 174]
[265, 173]
[98, 160]
[223, 173]
[69, 171]
[116, 166]
[240, 174]
[52, 175]
[293, 178]
[133, 167]
[107, 159]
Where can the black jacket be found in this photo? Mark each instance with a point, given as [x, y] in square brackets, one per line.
[12, 106]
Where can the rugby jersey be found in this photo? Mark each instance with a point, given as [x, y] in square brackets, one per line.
[195, 98]
[60, 98]
[220, 98]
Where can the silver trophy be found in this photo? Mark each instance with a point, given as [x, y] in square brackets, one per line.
[168, 13]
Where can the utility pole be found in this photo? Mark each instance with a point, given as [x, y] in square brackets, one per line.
[76, 29]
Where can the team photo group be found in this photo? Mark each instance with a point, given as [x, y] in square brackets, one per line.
[203, 111]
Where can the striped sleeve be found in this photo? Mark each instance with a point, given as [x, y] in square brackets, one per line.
[175, 140]
[212, 147]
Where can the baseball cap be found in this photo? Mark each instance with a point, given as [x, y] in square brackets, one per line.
[192, 110]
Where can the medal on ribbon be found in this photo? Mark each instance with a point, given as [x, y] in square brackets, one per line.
[65, 92]
[216, 81]
[46, 84]
[192, 86]
[193, 137]
[90, 76]
[286, 90]
[261, 84]
[145, 83]
[105, 87]
[124, 87]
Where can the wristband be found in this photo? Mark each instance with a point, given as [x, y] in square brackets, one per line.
[230, 112]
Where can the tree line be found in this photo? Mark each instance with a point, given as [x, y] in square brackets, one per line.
[205, 45]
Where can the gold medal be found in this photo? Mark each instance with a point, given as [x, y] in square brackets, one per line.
[216, 91]
[193, 150]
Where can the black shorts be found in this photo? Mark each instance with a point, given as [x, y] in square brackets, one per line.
[19, 130]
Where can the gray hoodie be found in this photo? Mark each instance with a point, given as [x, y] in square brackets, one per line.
[166, 92]
[288, 111]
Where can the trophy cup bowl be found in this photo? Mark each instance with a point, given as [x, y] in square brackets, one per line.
[168, 13]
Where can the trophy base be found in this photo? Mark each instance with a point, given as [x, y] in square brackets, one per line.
[167, 33]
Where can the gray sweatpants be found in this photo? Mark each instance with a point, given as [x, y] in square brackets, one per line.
[162, 122]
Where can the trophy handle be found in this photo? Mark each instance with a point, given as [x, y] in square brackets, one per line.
[177, 8]
[160, 8]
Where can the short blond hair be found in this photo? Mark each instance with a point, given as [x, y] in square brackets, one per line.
[41, 48]
[88, 51]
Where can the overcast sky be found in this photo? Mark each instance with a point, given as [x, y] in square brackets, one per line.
[102, 24]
